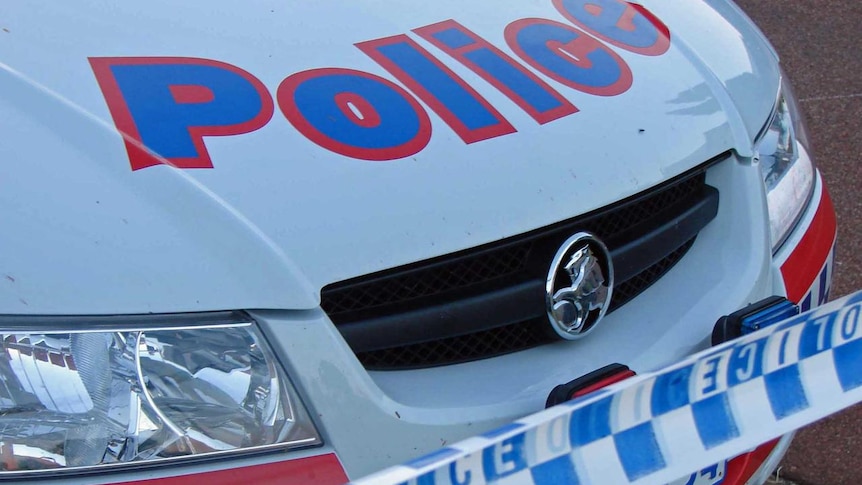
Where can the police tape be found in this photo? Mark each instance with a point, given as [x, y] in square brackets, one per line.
[658, 427]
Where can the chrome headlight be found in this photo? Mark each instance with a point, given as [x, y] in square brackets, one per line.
[91, 392]
[786, 165]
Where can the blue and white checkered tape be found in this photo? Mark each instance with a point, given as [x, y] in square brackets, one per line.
[658, 427]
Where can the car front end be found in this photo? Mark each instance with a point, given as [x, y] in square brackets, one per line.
[305, 242]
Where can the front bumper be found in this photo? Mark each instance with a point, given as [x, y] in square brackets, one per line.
[369, 420]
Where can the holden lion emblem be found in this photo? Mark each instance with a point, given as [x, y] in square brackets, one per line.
[579, 286]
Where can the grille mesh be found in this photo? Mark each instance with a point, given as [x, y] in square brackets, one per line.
[479, 345]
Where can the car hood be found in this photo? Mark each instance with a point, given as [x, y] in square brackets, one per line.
[278, 216]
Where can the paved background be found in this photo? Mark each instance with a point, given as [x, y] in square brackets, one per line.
[819, 43]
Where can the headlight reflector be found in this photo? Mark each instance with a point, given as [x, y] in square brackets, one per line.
[85, 398]
[786, 166]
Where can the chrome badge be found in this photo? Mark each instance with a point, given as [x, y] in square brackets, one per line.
[579, 286]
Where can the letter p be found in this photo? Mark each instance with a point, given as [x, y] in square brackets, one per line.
[164, 106]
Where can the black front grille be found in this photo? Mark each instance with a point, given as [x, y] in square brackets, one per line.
[489, 300]
[506, 339]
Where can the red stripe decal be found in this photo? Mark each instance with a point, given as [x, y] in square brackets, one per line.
[319, 470]
[741, 468]
[805, 262]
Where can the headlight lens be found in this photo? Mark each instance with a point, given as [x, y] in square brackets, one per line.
[786, 166]
[142, 392]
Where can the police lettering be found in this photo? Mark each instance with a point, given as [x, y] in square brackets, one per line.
[165, 106]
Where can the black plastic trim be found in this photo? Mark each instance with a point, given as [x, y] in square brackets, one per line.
[511, 305]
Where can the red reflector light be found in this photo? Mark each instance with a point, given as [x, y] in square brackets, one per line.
[595, 380]
[603, 383]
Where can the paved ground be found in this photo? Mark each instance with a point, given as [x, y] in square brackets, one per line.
[819, 43]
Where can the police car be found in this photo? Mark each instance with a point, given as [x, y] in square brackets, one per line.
[299, 242]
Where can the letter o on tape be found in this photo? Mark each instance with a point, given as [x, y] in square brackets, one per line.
[355, 113]
[850, 323]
